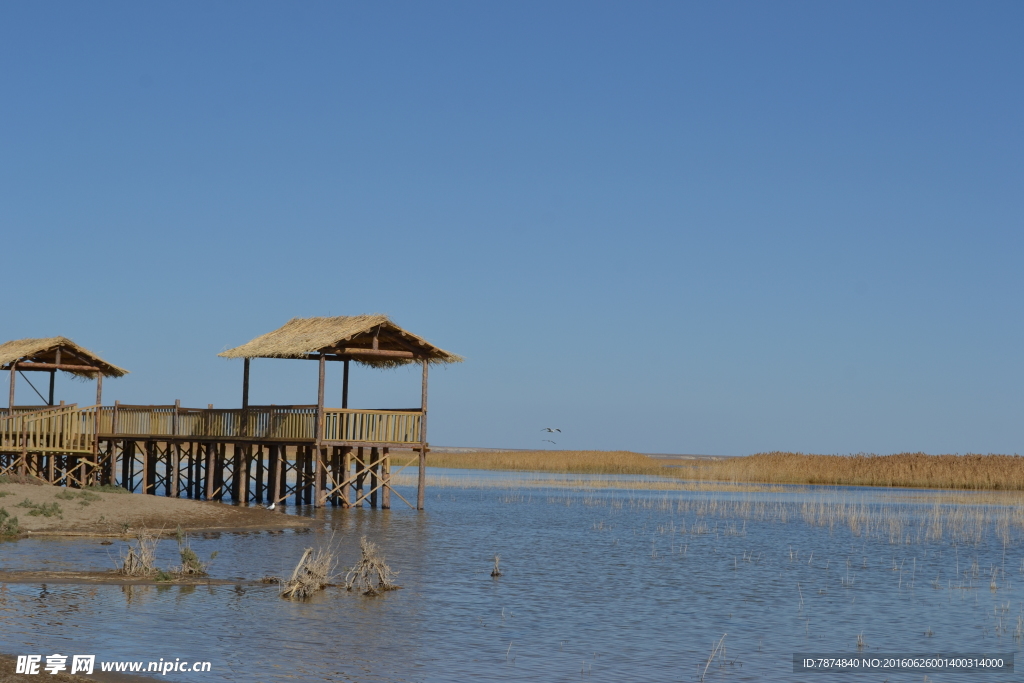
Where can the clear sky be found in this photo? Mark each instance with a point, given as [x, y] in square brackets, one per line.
[709, 227]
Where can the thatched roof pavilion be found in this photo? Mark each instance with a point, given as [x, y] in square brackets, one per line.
[372, 340]
[368, 339]
[50, 354]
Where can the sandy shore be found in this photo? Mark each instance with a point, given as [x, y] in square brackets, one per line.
[57, 511]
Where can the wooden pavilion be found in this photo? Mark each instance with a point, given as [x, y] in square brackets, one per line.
[371, 340]
[51, 354]
[259, 453]
[57, 443]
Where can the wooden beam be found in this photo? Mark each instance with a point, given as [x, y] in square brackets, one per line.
[26, 367]
[378, 352]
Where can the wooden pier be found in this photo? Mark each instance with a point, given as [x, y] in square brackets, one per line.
[305, 454]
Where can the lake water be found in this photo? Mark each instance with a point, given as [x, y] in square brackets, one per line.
[599, 585]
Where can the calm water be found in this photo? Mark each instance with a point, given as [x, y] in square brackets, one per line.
[602, 585]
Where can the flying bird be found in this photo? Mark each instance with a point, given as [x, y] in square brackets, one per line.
[549, 429]
[549, 441]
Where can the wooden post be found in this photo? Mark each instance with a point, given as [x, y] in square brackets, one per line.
[360, 473]
[344, 386]
[318, 472]
[245, 385]
[53, 376]
[259, 474]
[374, 456]
[10, 396]
[421, 479]
[272, 474]
[146, 462]
[321, 476]
[346, 468]
[126, 481]
[385, 473]
[236, 474]
[176, 456]
[209, 471]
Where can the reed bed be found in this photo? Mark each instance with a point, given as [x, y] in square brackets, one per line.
[908, 470]
[565, 462]
[914, 470]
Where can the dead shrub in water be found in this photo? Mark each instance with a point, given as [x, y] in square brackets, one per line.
[371, 567]
[140, 560]
[313, 573]
[190, 565]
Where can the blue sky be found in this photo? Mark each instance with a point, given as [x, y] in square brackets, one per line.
[701, 228]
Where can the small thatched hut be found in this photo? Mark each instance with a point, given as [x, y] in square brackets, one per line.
[51, 354]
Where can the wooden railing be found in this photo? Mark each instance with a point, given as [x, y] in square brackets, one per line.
[281, 423]
[62, 429]
[384, 426]
[70, 429]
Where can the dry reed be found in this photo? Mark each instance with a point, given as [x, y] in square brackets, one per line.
[311, 574]
[914, 470]
[140, 560]
[371, 575]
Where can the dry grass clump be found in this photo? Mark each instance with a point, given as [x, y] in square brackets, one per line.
[140, 560]
[9, 527]
[371, 575]
[576, 462]
[190, 565]
[918, 470]
[312, 574]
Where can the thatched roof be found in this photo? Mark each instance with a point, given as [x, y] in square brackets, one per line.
[344, 337]
[45, 351]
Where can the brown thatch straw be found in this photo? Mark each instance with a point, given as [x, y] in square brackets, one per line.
[301, 337]
[44, 350]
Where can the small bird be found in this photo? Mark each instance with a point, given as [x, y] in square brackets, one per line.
[272, 506]
[549, 429]
[549, 441]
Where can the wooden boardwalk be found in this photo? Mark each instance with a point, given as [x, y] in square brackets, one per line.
[259, 454]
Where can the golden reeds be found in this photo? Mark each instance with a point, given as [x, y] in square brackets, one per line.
[915, 470]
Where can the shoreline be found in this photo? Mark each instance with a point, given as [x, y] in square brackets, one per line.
[42, 510]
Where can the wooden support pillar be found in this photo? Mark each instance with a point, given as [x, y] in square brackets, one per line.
[53, 377]
[245, 385]
[126, 472]
[271, 490]
[282, 473]
[149, 470]
[346, 470]
[344, 386]
[175, 455]
[309, 474]
[260, 491]
[421, 479]
[210, 467]
[360, 473]
[374, 457]
[10, 395]
[385, 474]
[320, 493]
[236, 473]
[220, 463]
